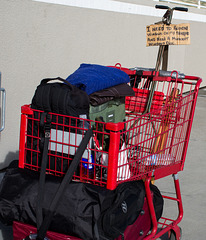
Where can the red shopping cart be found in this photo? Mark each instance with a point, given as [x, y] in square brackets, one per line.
[148, 145]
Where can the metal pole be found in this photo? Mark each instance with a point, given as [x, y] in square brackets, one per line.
[3, 101]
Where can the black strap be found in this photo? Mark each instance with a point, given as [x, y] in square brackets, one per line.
[42, 229]
[40, 197]
[42, 123]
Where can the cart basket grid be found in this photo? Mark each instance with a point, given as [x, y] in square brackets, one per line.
[148, 143]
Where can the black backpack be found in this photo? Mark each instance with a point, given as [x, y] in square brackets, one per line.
[58, 97]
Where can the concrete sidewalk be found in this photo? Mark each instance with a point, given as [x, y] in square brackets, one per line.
[192, 182]
[192, 179]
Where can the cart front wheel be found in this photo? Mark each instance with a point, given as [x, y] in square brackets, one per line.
[173, 235]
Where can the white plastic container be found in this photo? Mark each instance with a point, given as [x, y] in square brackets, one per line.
[159, 159]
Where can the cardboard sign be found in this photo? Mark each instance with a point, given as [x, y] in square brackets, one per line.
[173, 34]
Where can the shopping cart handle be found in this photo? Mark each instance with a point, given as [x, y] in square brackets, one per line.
[162, 73]
[171, 74]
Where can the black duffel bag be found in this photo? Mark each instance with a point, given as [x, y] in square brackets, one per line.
[83, 207]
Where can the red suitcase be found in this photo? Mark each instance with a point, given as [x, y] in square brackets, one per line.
[22, 230]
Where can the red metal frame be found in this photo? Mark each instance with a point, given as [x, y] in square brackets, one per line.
[148, 145]
[166, 224]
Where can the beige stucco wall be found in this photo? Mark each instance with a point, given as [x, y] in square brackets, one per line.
[41, 40]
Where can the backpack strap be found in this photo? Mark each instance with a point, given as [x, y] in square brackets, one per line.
[45, 145]
[43, 225]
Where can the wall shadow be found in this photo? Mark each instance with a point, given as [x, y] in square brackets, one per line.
[8, 159]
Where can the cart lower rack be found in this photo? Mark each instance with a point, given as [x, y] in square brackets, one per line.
[148, 144]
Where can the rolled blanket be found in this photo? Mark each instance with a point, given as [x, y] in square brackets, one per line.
[92, 77]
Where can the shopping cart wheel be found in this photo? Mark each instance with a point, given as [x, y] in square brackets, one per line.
[173, 235]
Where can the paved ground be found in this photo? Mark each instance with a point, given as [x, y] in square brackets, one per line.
[192, 179]
[192, 182]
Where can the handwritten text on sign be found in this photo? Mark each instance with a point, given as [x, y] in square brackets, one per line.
[174, 34]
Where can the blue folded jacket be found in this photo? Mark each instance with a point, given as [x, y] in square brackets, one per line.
[92, 77]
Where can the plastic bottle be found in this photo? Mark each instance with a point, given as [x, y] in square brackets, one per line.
[87, 168]
[86, 165]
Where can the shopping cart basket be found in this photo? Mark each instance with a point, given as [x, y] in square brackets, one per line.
[148, 144]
